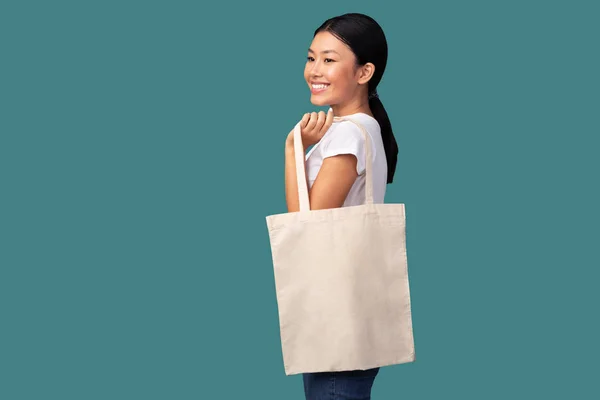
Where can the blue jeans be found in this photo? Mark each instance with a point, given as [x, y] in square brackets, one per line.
[343, 385]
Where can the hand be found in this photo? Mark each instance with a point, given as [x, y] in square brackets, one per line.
[313, 127]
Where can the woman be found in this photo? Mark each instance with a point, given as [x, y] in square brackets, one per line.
[345, 63]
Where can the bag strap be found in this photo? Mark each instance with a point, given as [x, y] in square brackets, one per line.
[301, 170]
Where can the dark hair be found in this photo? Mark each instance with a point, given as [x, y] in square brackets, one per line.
[363, 35]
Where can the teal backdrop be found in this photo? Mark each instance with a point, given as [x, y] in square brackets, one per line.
[141, 147]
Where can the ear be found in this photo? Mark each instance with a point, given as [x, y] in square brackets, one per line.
[366, 73]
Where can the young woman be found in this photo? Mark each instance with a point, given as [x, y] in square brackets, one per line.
[346, 61]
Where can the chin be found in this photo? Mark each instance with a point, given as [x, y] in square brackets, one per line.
[316, 101]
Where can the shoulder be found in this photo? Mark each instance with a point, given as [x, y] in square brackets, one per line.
[343, 134]
[345, 137]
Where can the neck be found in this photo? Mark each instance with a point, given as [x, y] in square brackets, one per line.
[362, 106]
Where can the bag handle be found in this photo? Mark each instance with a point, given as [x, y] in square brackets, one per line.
[301, 170]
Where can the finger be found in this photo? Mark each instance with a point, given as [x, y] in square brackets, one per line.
[321, 120]
[312, 122]
[304, 120]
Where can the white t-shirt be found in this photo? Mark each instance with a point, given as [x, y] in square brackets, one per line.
[344, 137]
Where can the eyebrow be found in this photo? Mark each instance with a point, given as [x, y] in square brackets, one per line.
[324, 51]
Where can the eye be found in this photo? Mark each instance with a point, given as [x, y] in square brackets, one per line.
[309, 58]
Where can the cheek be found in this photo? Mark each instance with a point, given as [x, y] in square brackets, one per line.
[338, 77]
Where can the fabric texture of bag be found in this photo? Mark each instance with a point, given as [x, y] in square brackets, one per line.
[341, 280]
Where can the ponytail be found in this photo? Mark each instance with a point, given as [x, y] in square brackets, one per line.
[389, 141]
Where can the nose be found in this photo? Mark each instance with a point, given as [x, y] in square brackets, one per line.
[315, 69]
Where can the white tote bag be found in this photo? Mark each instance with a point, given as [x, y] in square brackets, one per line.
[341, 281]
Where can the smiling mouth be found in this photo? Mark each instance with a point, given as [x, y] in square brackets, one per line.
[318, 88]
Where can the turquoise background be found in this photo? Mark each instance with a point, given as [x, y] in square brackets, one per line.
[141, 147]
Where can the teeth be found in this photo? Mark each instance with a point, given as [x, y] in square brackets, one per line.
[319, 86]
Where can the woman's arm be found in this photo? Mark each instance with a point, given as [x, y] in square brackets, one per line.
[334, 180]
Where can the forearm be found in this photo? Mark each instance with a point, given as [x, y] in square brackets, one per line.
[291, 184]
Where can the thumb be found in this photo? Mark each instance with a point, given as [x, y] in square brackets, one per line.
[329, 118]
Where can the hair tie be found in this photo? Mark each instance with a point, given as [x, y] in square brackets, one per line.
[374, 95]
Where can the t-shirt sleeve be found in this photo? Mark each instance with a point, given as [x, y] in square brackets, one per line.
[347, 138]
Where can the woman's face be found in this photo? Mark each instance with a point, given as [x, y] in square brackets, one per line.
[330, 71]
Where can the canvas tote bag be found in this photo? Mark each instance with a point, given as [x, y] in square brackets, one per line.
[341, 281]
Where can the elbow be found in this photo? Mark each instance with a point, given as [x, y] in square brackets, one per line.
[325, 202]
